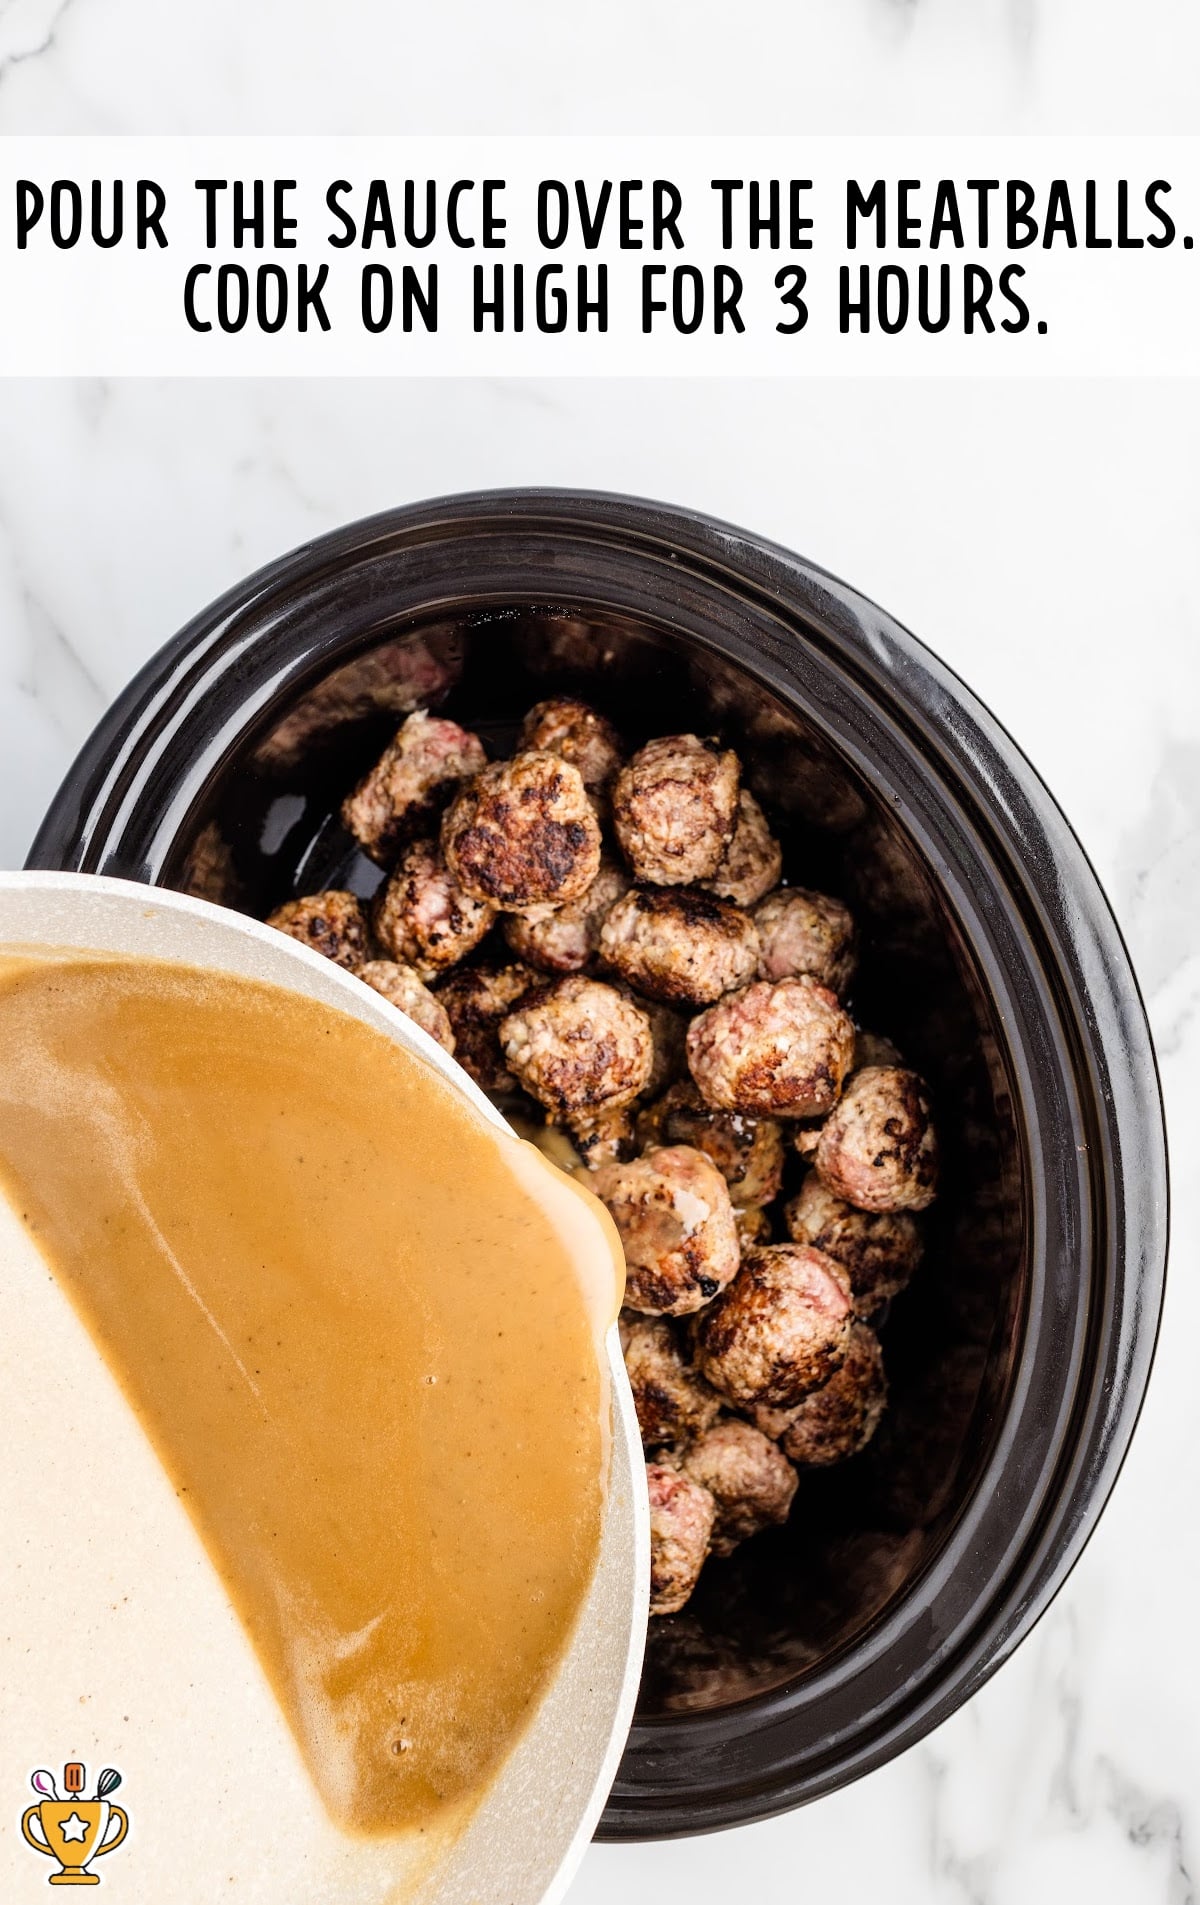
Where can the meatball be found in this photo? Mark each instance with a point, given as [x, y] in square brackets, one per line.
[602, 1137]
[423, 917]
[808, 932]
[523, 834]
[871, 1048]
[748, 1152]
[753, 1225]
[333, 924]
[878, 1249]
[681, 1521]
[879, 1148]
[576, 733]
[681, 947]
[751, 1483]
[565, 938]
[839, 1419]
[675, 809]
[672, 1399]
[779, 1050]
[673, 1212]
[753, 860]
[781, 1329]
[578, 1047]
[406, 991]
[410, 782]
[476, 1001]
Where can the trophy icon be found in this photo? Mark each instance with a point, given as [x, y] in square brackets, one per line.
[74, 1830]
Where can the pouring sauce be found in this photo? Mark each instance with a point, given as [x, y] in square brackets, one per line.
[362, 1328]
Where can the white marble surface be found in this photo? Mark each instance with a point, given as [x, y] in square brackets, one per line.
[1044, 542]
[625, 65]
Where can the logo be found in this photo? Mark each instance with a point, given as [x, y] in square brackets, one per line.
[74, 1830]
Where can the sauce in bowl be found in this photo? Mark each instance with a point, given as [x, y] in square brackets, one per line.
[361, 1326]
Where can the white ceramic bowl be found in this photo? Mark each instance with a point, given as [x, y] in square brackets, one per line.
[122, 1646]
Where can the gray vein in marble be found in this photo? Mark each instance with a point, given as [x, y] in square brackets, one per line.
[1159, 878]
[10, 58]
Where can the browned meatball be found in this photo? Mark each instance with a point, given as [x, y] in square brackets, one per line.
[477, 1000]
[747, 1151]
[753, 1225]
[806, 932]
[523, 834]
[333, 924]
[403, 988]
[675, 809]
[753, 860]
[672, 1399]
[602, 1137]
[871, 1048]
[410, 782]
[879, 1148]
[576, 733]
[778, 1050]
[681, 946]
[781, 1329]
[673, 1212]
[839, 1419]
[681, 1521]
[423, 917]
[751, 1483]
[879, 1249]
[578, 1046]
[565, 938]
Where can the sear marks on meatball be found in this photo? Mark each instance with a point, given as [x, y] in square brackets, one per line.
[747, 1151]
[677, 1229]
[679, 946]
[808, 932]
[333, 924]
[602, 1137]
[675, 808]
[839, 1419]
[681, 1522]
[878, 1249]
[404, 989]
[672, 1399]
[579, 1046]
[753, 860]
[523, 834]
[576, 733]
[412, 780]
[476, 1001]
[751, 1483]
[565, 938]
[779, 1050]
[423, 917]
[781, 1329]
[879, 1150]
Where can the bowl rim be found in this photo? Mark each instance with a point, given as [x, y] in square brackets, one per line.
[814, 636]
[70, 903]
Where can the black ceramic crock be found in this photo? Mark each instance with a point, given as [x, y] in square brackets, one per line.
[1019, 1357]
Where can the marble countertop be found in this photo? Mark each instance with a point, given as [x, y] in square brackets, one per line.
[1043, 541]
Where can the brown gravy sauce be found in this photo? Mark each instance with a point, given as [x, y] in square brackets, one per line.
[362, 1328]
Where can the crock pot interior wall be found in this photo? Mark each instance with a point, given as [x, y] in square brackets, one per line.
[859, 1535]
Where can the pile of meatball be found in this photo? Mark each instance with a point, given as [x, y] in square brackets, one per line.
[609, 937]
